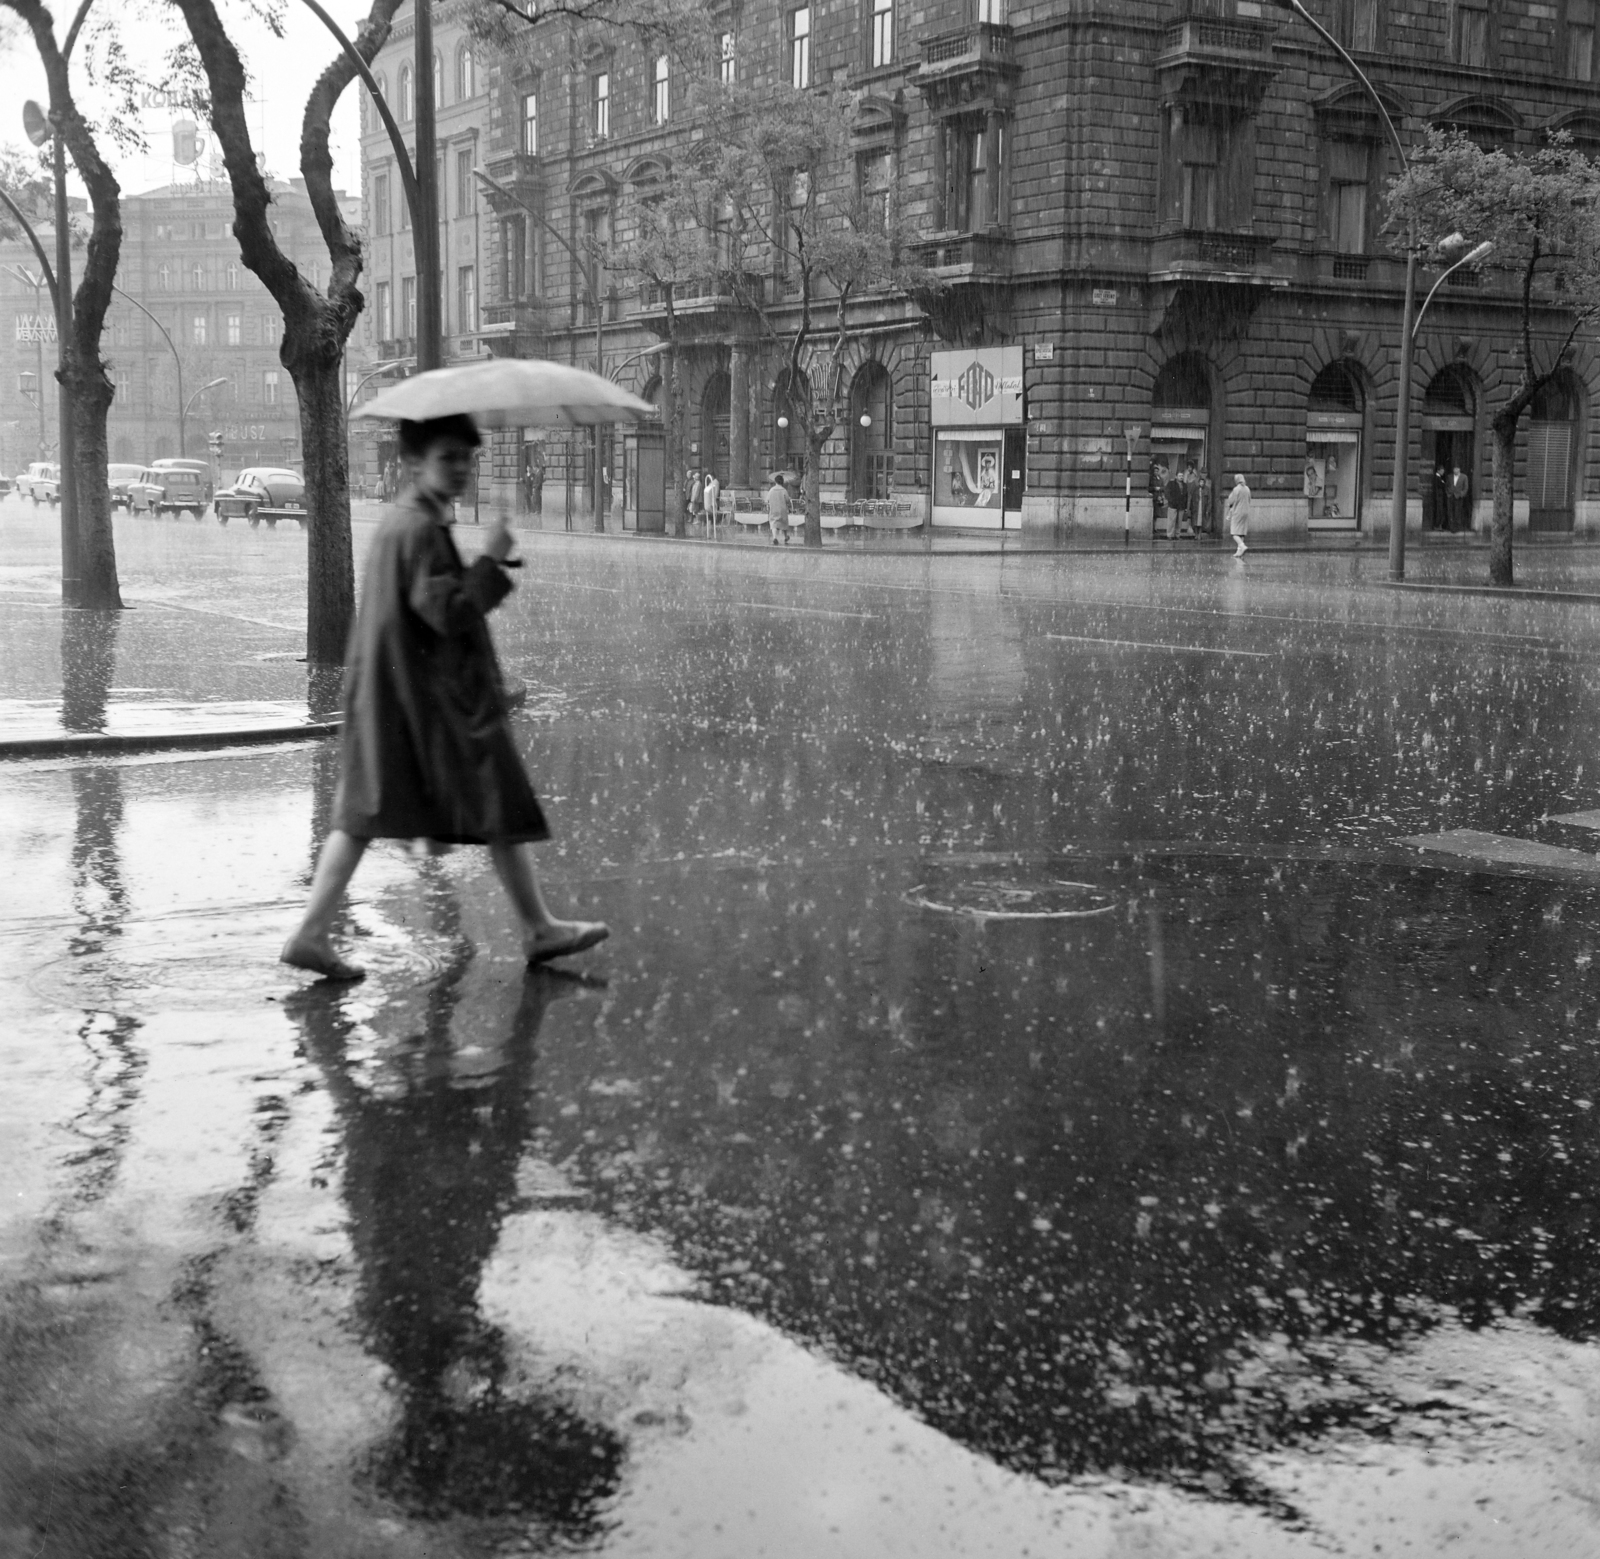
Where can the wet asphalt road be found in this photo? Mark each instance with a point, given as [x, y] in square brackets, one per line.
[1030, 1104]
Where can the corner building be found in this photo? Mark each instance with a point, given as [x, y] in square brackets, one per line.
[1159, 225]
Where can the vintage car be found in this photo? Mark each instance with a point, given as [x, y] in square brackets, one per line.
[7, 486]
[269, 493]
[165, 489]
[201, 468]
[40, 482]
[119, 478]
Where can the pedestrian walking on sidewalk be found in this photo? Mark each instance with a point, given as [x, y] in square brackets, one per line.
[778, 508]
[427, 751]
[1238, 513]
[697, 497]
[713, 496]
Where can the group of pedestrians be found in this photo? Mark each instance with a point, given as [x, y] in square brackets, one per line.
[1184, 500]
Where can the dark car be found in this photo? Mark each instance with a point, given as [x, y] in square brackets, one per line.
[269, 493]
[166, 490]
[119, 478]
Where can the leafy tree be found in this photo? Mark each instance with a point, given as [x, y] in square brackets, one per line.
[801, 246]
[1541, 210]
[85, 382]
[316, 324]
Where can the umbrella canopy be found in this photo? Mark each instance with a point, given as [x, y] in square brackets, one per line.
[510, 392]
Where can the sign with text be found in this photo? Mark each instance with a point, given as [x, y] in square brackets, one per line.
[36, 327]
[980, 387]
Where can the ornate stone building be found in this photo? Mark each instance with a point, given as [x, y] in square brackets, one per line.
[1159, 223]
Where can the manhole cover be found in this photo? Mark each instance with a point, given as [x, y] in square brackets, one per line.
[987, 899]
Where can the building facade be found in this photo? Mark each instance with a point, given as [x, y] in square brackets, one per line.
[1158, 225]
[187, 313]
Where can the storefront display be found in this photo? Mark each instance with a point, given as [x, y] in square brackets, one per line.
[979, 449]
[1333, 470]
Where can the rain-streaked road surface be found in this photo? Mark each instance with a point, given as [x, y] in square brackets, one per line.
[1032, 1103]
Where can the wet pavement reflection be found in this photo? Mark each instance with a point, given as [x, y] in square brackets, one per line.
[1027, 1067]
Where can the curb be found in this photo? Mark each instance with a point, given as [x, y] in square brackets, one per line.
[158, 741]
[1505, 592]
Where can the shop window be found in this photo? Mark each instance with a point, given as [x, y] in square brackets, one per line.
[882, 52]
[1349, 195]
[974, 184]
[1208, 170]
[600, 104]
[1472, 32]
[1579, 53]
[530, 124]
[800, 48]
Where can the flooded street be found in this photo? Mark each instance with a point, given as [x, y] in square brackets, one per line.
[1096, 1056]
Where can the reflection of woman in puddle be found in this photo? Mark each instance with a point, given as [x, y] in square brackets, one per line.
[430, 1171]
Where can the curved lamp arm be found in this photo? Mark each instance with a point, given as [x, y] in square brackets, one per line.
[1466, 259]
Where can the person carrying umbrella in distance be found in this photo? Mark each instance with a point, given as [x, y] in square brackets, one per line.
[427, 750]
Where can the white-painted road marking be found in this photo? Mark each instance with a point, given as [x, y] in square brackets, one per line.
[1145, 644]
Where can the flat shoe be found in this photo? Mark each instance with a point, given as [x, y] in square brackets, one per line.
[301, 955]
[583, 935]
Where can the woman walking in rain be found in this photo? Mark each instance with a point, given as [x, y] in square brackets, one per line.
[427, 750]
[1238, 514]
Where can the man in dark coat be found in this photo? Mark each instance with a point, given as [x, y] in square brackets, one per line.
[427, 749]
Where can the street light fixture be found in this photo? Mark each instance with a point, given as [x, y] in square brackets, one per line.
[1472, 255]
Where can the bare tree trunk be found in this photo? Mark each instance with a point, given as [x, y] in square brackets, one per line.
[330, 582]
[1504, 432]
[91, 393]
[671, 400]
[811, 486]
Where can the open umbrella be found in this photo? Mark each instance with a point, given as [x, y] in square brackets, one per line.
[510, 392]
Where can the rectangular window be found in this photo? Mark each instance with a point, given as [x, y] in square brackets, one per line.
[1472, 24]
[122, 385]
[875, 186]
[600, 104]
[513, 258]
[726, 71]
[380, 205]
[270, 325]
[269, 387]
[663, 95]
[383, 306]
[405, 213]
[233, 329]
[408, 305]
[596, 240]
[1580, 39]
[1355, 24]
[800, 48]
[974, 174]
[1349, 177]
[530, 124]
[466, 300]
[992, 11]
[466, 185]
[197, 329]
[882, 32]
[119, 330]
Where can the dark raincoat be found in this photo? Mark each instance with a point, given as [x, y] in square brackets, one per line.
[427, 750]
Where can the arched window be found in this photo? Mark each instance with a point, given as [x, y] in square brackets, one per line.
[715, 450]
[1333, 470]
[791, 405]
[438, 79]
[408, 107]
[1553, 456]
[872, 433]
[466, 73]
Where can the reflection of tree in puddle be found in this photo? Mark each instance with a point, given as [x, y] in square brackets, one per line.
[431, 1149]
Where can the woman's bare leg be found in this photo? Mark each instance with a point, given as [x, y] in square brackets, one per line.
[543, 936]
[311, 946]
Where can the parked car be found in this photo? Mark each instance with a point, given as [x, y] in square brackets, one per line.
[119, 478]
[166, 490]
[202, 468]
[269, 493]
[41, 482]
[7, 486]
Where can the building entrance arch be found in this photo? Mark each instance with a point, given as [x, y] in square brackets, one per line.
[1335, 408]
[872, 433]
[1449, 448]
[1182, 494]
[715, 452]
[1553, 422]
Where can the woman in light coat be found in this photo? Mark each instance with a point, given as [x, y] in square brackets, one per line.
[1238, 513]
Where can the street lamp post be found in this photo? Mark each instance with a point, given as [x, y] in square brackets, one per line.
[176, 359]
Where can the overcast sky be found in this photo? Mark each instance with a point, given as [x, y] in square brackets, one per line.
[283, 70]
